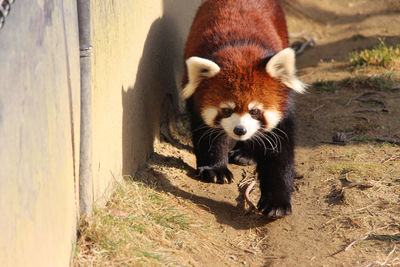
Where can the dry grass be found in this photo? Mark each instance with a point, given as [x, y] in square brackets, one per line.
[139, 226]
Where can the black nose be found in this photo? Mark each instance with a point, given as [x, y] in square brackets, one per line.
[240, 130]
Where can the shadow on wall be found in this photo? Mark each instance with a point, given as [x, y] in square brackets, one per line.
[155, 92]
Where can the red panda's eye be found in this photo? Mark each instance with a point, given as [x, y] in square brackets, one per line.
[254, 112]
[226, 112]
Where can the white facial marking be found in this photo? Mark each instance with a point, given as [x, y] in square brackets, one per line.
[198, 69]
[282, 67]
[251, 125]
[253, 105]
[272, 117]
[228, 105]
[209, 115]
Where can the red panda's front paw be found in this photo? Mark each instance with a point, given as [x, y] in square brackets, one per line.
[274, 209]
[220, 175]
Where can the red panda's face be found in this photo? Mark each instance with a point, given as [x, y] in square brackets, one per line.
[244, 106]
[241, 125]
[240, 92]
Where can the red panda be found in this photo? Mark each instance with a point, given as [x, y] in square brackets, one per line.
[239, 85]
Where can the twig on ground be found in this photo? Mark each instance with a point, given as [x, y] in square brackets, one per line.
[354, 242]
[243, 249]
[317, 108]
[390, 159]
[247, 186]
[258, 242]
[351, 244]
[388, 256]
[369, 236]
[361, 95]
[247, 195]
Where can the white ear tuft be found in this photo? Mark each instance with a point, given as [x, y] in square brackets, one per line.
[282, 67]
[198, 69]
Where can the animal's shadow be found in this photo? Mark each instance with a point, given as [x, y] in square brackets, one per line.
[224, 212]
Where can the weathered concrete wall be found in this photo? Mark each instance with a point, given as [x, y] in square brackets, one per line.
[137, 64]
[137, 61]
[39, 133]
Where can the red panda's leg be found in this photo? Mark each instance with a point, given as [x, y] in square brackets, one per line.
[276, 174]
[211, 147]
[211, 150]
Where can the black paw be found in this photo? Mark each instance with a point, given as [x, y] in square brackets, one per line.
[274, 209]
[238, 158]
[220, 175]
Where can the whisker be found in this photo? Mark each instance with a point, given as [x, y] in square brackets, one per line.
[269, 140]
[215, 132]
[207, 132]
[252, 142]
[278, 139]
[273, 142]
[260, 140]
[201, 127]
[255, 139]
[211, 131]
[220, 132]
[287, 137]
[271, 135]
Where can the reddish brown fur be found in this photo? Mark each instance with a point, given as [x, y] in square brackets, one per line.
[242, 79]
[238, 35]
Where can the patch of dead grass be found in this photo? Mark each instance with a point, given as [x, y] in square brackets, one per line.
[139, 226]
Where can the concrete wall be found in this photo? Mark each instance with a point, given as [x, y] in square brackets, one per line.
[137, 61]
[137, 65]
[39, 133]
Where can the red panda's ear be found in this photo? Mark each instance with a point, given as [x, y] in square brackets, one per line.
[282, 67]
[198, 69]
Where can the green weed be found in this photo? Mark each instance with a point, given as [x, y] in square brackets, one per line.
[377, 82]
[362, 139]
[325, 86]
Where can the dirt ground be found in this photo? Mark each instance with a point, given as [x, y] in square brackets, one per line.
[346, 208]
